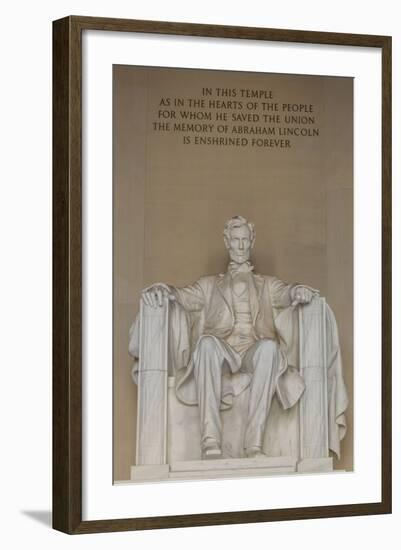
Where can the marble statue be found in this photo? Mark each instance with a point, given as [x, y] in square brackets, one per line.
[232, 333]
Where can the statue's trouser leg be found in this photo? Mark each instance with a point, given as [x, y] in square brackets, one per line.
[262, 359]
[208, 360]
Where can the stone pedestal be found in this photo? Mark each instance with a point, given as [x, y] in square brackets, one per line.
[214, 469]
[313, 465]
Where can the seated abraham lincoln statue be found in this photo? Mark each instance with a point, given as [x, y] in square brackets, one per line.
[237, 345]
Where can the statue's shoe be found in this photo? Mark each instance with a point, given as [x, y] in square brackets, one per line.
[254, 452]
[212, 451]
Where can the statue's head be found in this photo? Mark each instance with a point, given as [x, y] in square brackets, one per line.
[239, 238]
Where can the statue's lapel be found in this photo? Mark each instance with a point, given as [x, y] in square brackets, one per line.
[256, 283]
[224, 286]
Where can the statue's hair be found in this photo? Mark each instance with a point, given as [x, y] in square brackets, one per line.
[238, 221]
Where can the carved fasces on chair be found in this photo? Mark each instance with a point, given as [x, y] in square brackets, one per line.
[313, 409]
[151, 444]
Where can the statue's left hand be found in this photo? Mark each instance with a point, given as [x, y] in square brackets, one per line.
[302, 294]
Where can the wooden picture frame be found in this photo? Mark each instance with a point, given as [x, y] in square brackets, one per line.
[67, 273]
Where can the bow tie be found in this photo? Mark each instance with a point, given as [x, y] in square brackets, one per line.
[235, 269]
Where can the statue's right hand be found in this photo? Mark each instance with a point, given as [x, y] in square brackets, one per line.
[154, 295]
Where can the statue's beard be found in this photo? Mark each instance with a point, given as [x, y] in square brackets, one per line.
[239, 258]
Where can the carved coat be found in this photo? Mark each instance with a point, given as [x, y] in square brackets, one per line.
[209, 300]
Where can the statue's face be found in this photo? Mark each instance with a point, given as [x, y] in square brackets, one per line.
[239, 244]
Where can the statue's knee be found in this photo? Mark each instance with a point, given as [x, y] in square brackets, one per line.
[207, 344]
[207, 356]
[268, 348]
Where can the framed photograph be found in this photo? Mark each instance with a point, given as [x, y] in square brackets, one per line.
[222, 273]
